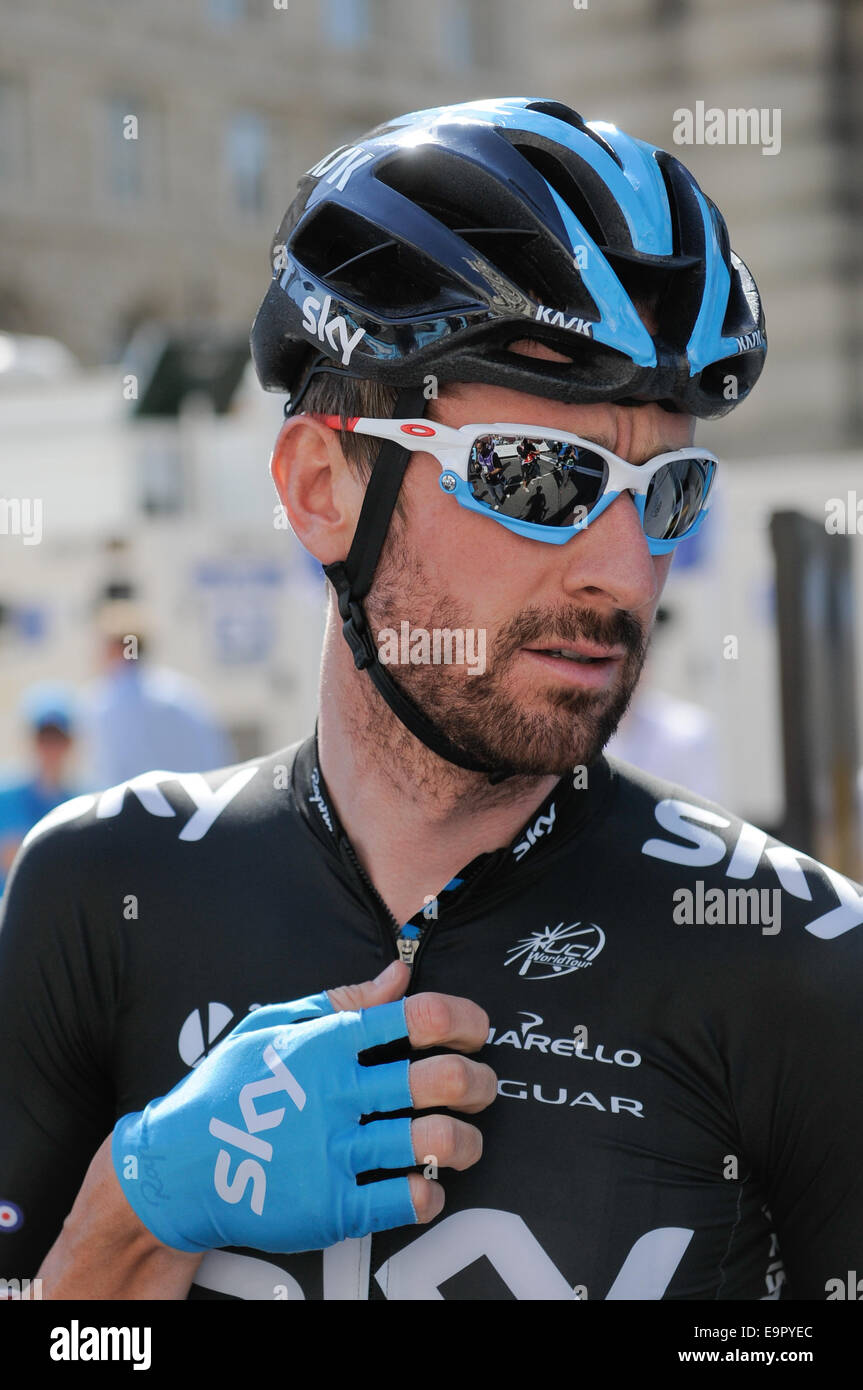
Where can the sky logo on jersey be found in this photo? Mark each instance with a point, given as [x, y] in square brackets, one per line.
[749, 851]
[209, 803]
[541, 826]
[11, 1216]
[556, 950]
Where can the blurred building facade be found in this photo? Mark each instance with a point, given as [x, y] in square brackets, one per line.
[233, 100]
[148, 151]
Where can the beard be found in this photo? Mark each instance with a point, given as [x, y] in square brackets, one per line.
[549, 733]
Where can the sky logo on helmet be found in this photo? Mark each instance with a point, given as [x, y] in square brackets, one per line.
[558, 319]
[316, 319]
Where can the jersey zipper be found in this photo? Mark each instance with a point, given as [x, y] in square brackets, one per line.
[406, 947]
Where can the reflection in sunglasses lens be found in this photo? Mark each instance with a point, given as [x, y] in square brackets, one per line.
[554, 482]
[538, 480]
[675, 498]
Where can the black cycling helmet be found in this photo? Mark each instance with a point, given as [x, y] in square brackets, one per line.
[431, 244]
[439, 239]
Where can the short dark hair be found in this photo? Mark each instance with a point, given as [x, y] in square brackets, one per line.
[330, 394]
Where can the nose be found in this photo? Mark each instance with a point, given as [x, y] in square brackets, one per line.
[609, 560]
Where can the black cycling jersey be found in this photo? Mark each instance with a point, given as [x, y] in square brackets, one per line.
[679, 1093]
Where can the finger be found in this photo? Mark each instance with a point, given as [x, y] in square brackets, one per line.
[379, 1206]
[427, 1197]
[384, 1087]
[444, 1020]
[382, 1144]
[390, 984]
[455, 1082]
[445, 1142]
[382, 1023]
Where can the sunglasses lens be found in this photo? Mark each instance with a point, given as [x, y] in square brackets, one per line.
[546, 481]
[675, 498]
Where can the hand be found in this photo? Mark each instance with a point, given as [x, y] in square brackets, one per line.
[262, 1143]
[456, 1083]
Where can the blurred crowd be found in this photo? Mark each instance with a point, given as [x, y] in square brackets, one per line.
[134, 717]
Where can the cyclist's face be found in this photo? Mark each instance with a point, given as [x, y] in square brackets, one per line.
[451, 568]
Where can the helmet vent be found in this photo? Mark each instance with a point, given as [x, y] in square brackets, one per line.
[372, 270]
[559, 112]
[555, 173]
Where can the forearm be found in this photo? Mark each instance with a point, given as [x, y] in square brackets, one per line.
[105, 1252]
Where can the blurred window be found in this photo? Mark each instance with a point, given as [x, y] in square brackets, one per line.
[347, 22]
[470, 33]
[132, 144]
[246, 154]
[226, 12]
[12, 129]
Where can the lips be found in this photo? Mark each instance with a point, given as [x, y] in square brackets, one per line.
[583, 653]
[581, 665]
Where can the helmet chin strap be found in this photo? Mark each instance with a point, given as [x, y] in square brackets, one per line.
[352, 579]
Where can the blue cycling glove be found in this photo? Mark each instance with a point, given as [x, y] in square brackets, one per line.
[261, 1144]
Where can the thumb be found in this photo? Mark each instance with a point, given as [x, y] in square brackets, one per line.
[389, 985]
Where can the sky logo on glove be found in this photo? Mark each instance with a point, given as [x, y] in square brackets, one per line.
[250, 1169]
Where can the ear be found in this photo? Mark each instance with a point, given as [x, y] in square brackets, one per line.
[321, 494]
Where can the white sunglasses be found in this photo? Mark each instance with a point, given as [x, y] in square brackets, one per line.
[548, 485]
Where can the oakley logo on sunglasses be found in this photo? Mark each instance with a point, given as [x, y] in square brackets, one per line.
[557, 318]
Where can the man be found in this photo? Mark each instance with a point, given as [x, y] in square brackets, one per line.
[491, 469]
[669, 1121]
[138, 716]
[47, 713]
[527, 452]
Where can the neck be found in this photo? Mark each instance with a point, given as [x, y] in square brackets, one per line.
[413, 819]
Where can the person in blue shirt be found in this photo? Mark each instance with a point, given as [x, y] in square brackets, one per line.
[47, 712]
[138, 716]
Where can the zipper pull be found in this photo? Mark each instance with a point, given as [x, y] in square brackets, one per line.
[408, 942]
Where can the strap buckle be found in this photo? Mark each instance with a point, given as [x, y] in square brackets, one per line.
[355, 630]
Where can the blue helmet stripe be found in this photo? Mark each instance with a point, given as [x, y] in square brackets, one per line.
[620, 326]
[706, 343]
[642, 194]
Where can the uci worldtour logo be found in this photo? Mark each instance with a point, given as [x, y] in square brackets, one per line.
[557, 950]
